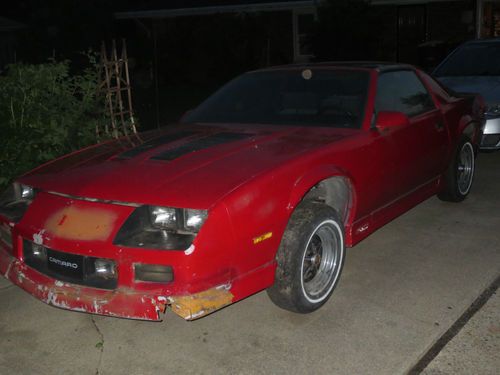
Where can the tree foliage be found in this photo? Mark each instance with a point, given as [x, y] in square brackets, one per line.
[45, 111]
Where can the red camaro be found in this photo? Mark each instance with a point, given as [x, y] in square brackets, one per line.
[262, 186]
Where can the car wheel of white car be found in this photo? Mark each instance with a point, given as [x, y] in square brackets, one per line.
[310, 259]
[460, 173]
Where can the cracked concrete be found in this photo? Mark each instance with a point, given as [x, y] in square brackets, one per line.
[401, 289]
[40, 339]
[476, 348]
[99, 345]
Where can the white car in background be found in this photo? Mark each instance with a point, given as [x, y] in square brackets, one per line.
[475, 67]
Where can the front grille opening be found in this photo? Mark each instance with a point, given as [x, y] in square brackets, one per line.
[73, 268]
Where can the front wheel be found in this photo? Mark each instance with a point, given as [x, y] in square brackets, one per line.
[310, 259]
[460, 173]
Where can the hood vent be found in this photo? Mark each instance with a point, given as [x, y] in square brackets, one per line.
[153, 143]
[201, 144]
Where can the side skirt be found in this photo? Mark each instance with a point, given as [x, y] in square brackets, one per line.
[365, 226]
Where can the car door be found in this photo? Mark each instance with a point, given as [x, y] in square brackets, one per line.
[419, 148]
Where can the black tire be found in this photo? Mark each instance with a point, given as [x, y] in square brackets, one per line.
[310, 259]
[460, 173]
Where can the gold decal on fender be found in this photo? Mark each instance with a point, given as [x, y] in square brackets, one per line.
[264, 237]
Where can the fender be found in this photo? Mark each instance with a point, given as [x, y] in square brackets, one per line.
[469, 127]
[305, 183]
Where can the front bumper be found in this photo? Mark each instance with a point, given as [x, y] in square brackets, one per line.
[121, 302]
[204, 281]
[491, 135]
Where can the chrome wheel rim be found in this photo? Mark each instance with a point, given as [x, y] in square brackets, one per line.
[322, 261]
[465, 168]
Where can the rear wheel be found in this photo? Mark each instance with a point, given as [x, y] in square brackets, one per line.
[310, 259]
[460, 173]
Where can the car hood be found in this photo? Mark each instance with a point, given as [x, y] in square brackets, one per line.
[487, 86]
[182, 166]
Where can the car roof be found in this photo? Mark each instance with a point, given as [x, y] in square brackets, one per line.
[371, 65]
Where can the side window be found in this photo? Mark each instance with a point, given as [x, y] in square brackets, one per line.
[439, 90]
[402, 91]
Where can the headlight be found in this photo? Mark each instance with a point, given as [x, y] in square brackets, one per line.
[163, 228]
[26, 192]
[164, 217]
[177, 219]
[15, 201]
[194, 219]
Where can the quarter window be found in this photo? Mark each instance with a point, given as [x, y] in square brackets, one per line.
[402, 91]
[439, 90]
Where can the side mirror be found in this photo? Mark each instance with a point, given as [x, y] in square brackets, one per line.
[389, 119]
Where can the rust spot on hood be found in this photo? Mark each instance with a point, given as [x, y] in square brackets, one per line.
[75, 223]
[196, 305]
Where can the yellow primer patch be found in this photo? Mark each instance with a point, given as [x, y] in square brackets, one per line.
[264, 237]
[74, 223]
[200, 304]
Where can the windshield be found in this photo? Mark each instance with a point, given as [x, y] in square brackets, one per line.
[305, 97]
[477, 59]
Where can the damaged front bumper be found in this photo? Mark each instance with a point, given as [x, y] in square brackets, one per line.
[121, 302]
[53, 251]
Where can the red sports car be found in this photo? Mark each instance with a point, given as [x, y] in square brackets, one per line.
[263, 186]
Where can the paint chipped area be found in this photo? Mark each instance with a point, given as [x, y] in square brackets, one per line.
[189, 250]
[197, 305]
[74, 223]
[122, 302]
[38, 237]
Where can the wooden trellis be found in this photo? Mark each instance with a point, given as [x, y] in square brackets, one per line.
[115, 86]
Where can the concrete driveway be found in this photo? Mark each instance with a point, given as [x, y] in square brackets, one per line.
[401, 289]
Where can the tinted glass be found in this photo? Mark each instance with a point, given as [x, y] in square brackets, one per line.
[289, 97]
[402, 91]
[438, 89]
[478, 59]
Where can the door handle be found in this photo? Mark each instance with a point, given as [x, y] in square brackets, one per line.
[439, 126]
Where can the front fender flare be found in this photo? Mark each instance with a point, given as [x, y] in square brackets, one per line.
[312, 178]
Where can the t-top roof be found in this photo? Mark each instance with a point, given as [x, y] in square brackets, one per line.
[378, 65]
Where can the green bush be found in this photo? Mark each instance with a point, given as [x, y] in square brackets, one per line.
[45, 111]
